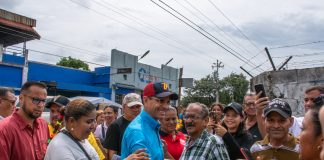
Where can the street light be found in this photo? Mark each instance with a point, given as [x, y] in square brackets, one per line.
[147, 52]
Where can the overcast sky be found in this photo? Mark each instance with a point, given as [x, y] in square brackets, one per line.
[135, 26]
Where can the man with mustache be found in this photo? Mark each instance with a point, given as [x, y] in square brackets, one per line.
[201, 144]
[278, 143]
[24, 135]
[143, 131]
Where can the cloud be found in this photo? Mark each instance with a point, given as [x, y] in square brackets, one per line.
[9, 4]
[276, 32]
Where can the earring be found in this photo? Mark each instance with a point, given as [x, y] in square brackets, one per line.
[72, 129]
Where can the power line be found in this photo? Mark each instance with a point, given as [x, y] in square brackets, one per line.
[199, 30]
[302, 55]
[207, 33]
[295, 45]
[208, 58]
[241, 32]
[63, 45]
[238, 45]
[169, 44]
[52, 54]
[143, 23]
[46, 53]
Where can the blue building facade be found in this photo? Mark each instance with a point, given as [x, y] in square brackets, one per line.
[60, 80]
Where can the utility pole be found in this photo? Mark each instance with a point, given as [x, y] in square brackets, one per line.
[216, 67]
[25, 68]
[180, 84]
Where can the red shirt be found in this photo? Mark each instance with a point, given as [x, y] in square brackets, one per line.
[176, 144]
[19, 141]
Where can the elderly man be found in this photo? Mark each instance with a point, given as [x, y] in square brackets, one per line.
[143, 131]
[7, 102]
[132, 105]
[24, 135]
[278, 143]
[201, 144]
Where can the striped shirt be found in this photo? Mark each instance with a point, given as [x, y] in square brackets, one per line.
[206, 147]
[290, 150]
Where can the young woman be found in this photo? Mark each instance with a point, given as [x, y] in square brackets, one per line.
[218, 109]
[174, 139]
[232, 131]
[311, 137]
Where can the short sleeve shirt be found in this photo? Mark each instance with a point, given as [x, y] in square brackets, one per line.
[143, 132]
[289, 150]
[206, 147]
[115, 134]
[19, 140]
[63, 147]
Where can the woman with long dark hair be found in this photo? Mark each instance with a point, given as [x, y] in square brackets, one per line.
[232, 131]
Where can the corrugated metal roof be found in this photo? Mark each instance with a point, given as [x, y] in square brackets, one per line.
[17, 18]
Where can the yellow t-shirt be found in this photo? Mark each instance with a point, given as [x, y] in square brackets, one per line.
[93, 142]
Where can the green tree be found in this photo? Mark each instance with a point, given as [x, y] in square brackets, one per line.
[73, 63]
[203, 91]
[231, 88]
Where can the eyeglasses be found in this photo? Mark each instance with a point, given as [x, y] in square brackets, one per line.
[192, 117]
[249, 104]
[36, 100]
[12, 102]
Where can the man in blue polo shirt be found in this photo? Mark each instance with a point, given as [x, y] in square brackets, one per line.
[143, 131]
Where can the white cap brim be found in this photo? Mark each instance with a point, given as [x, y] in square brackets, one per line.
[131, 104]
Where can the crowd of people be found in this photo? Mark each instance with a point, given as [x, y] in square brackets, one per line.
[258, 128]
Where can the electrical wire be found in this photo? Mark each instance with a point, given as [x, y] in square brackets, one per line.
[26, 34]
[296, 45]
[46, 53]
[235, 26]
[52, 54]
[198, 30]
[230, 39]
[169, 44]
[302, 55]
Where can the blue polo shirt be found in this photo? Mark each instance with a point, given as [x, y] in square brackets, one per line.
[143, 132]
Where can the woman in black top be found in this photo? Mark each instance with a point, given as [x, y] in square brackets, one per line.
[232, 131]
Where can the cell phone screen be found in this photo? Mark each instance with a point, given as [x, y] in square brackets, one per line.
[246, 153]
[258, 88]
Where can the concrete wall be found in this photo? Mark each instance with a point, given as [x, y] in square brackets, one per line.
[290, 85]
[141, 74]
